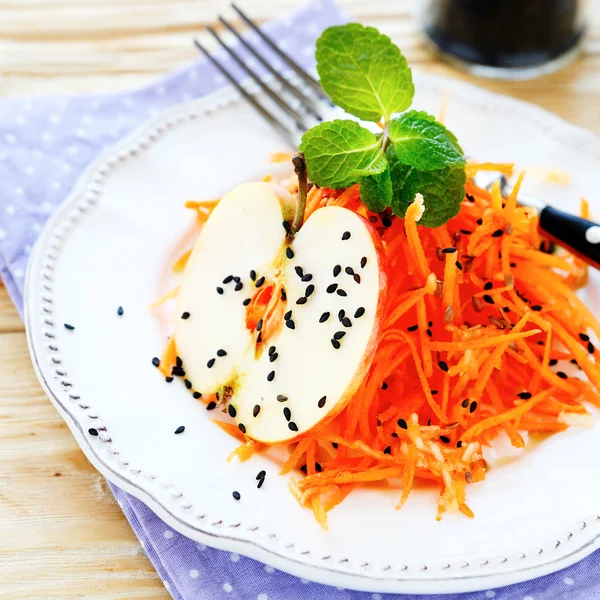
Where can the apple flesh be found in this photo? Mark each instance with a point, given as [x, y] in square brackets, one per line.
[306, 359]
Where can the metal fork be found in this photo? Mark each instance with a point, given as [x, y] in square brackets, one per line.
[301, 102]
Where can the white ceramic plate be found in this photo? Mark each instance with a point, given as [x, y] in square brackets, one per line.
[109, 245]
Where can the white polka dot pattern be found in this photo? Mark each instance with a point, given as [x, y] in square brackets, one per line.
[592, 235]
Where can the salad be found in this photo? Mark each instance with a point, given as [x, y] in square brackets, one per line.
[374, 312]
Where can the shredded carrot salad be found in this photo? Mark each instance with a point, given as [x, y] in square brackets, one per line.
[479, 327]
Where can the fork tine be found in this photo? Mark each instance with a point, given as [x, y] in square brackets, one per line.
[284, 131]
[290, 61]
[306, 101]
[263, 86]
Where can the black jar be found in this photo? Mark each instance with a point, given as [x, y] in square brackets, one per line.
[506, 38]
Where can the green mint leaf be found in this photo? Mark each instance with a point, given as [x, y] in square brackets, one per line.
[338, 153]
[376, 190]
[363, 72]
[421, 142]
[443, 191]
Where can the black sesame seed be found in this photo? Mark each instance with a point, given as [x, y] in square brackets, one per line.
[465, 403]
[93, 431]
[506, 309]
[459, 265]
[387, 450]
[342, 293]
[322, 401]
[168, 379]
[590, 348]
[373, 219]
[271, 376]
[260, 483]
[185, 315]
[465, 232]
[188, 384]
[331, 288]
[246, 302]
[553, 362]
[287, 413]
[306, 277]
[196, 395]
[384, 386]
[253, 275]
[324, 317]
[272, 350]
[259, 282]
[449, 250]
[231, 410]
[293, 426]
[238, 286]
[459, 444]
[180, 429]
[283, 294]
[498, 233]
[445, 439]
[210, 363]
[211, 405]
[120, 311]
[561, 374]
[286, 226]
[301, 300]
[487, 298]
[434, 392]
[537, 308]
[524, 395]
[363, 262]
[237, 495]
[346, 322]
[430, 323]
[473, 407]
[318, 467]
[261, 475]
[69, 327]
[356, 277]
[386, 222]
[281, 398]
[349, 270]
[290, 324]
[402, 424]
[258, 325]
[156, 361]
[335, 344]
[346, 235]
[488, 286]
[219, 290]
[470, 198]
[259, 338]
[242, 428]
[178, 361]
[299, 271]
[337, 270]
[583, 336]
[221, 353]
[338, 335]
[304, 468]
[341, 314]
[443, 366]
[228, 279]
[359, 312]
[289, 252]
[273, 357]
[178, 372]
[335, 445]
[479, 221]
[288, 315]
[428, 332]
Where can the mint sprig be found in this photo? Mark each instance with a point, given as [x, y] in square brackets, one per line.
[366, 75]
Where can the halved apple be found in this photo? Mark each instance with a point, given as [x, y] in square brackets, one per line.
[283, 329]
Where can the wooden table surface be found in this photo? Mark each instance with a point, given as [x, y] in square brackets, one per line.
[62, 535]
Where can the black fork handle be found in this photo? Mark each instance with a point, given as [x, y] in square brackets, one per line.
[576, 234]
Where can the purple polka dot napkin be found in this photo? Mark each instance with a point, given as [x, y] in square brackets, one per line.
[45, 144]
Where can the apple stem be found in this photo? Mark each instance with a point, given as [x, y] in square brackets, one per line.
[299, 163]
